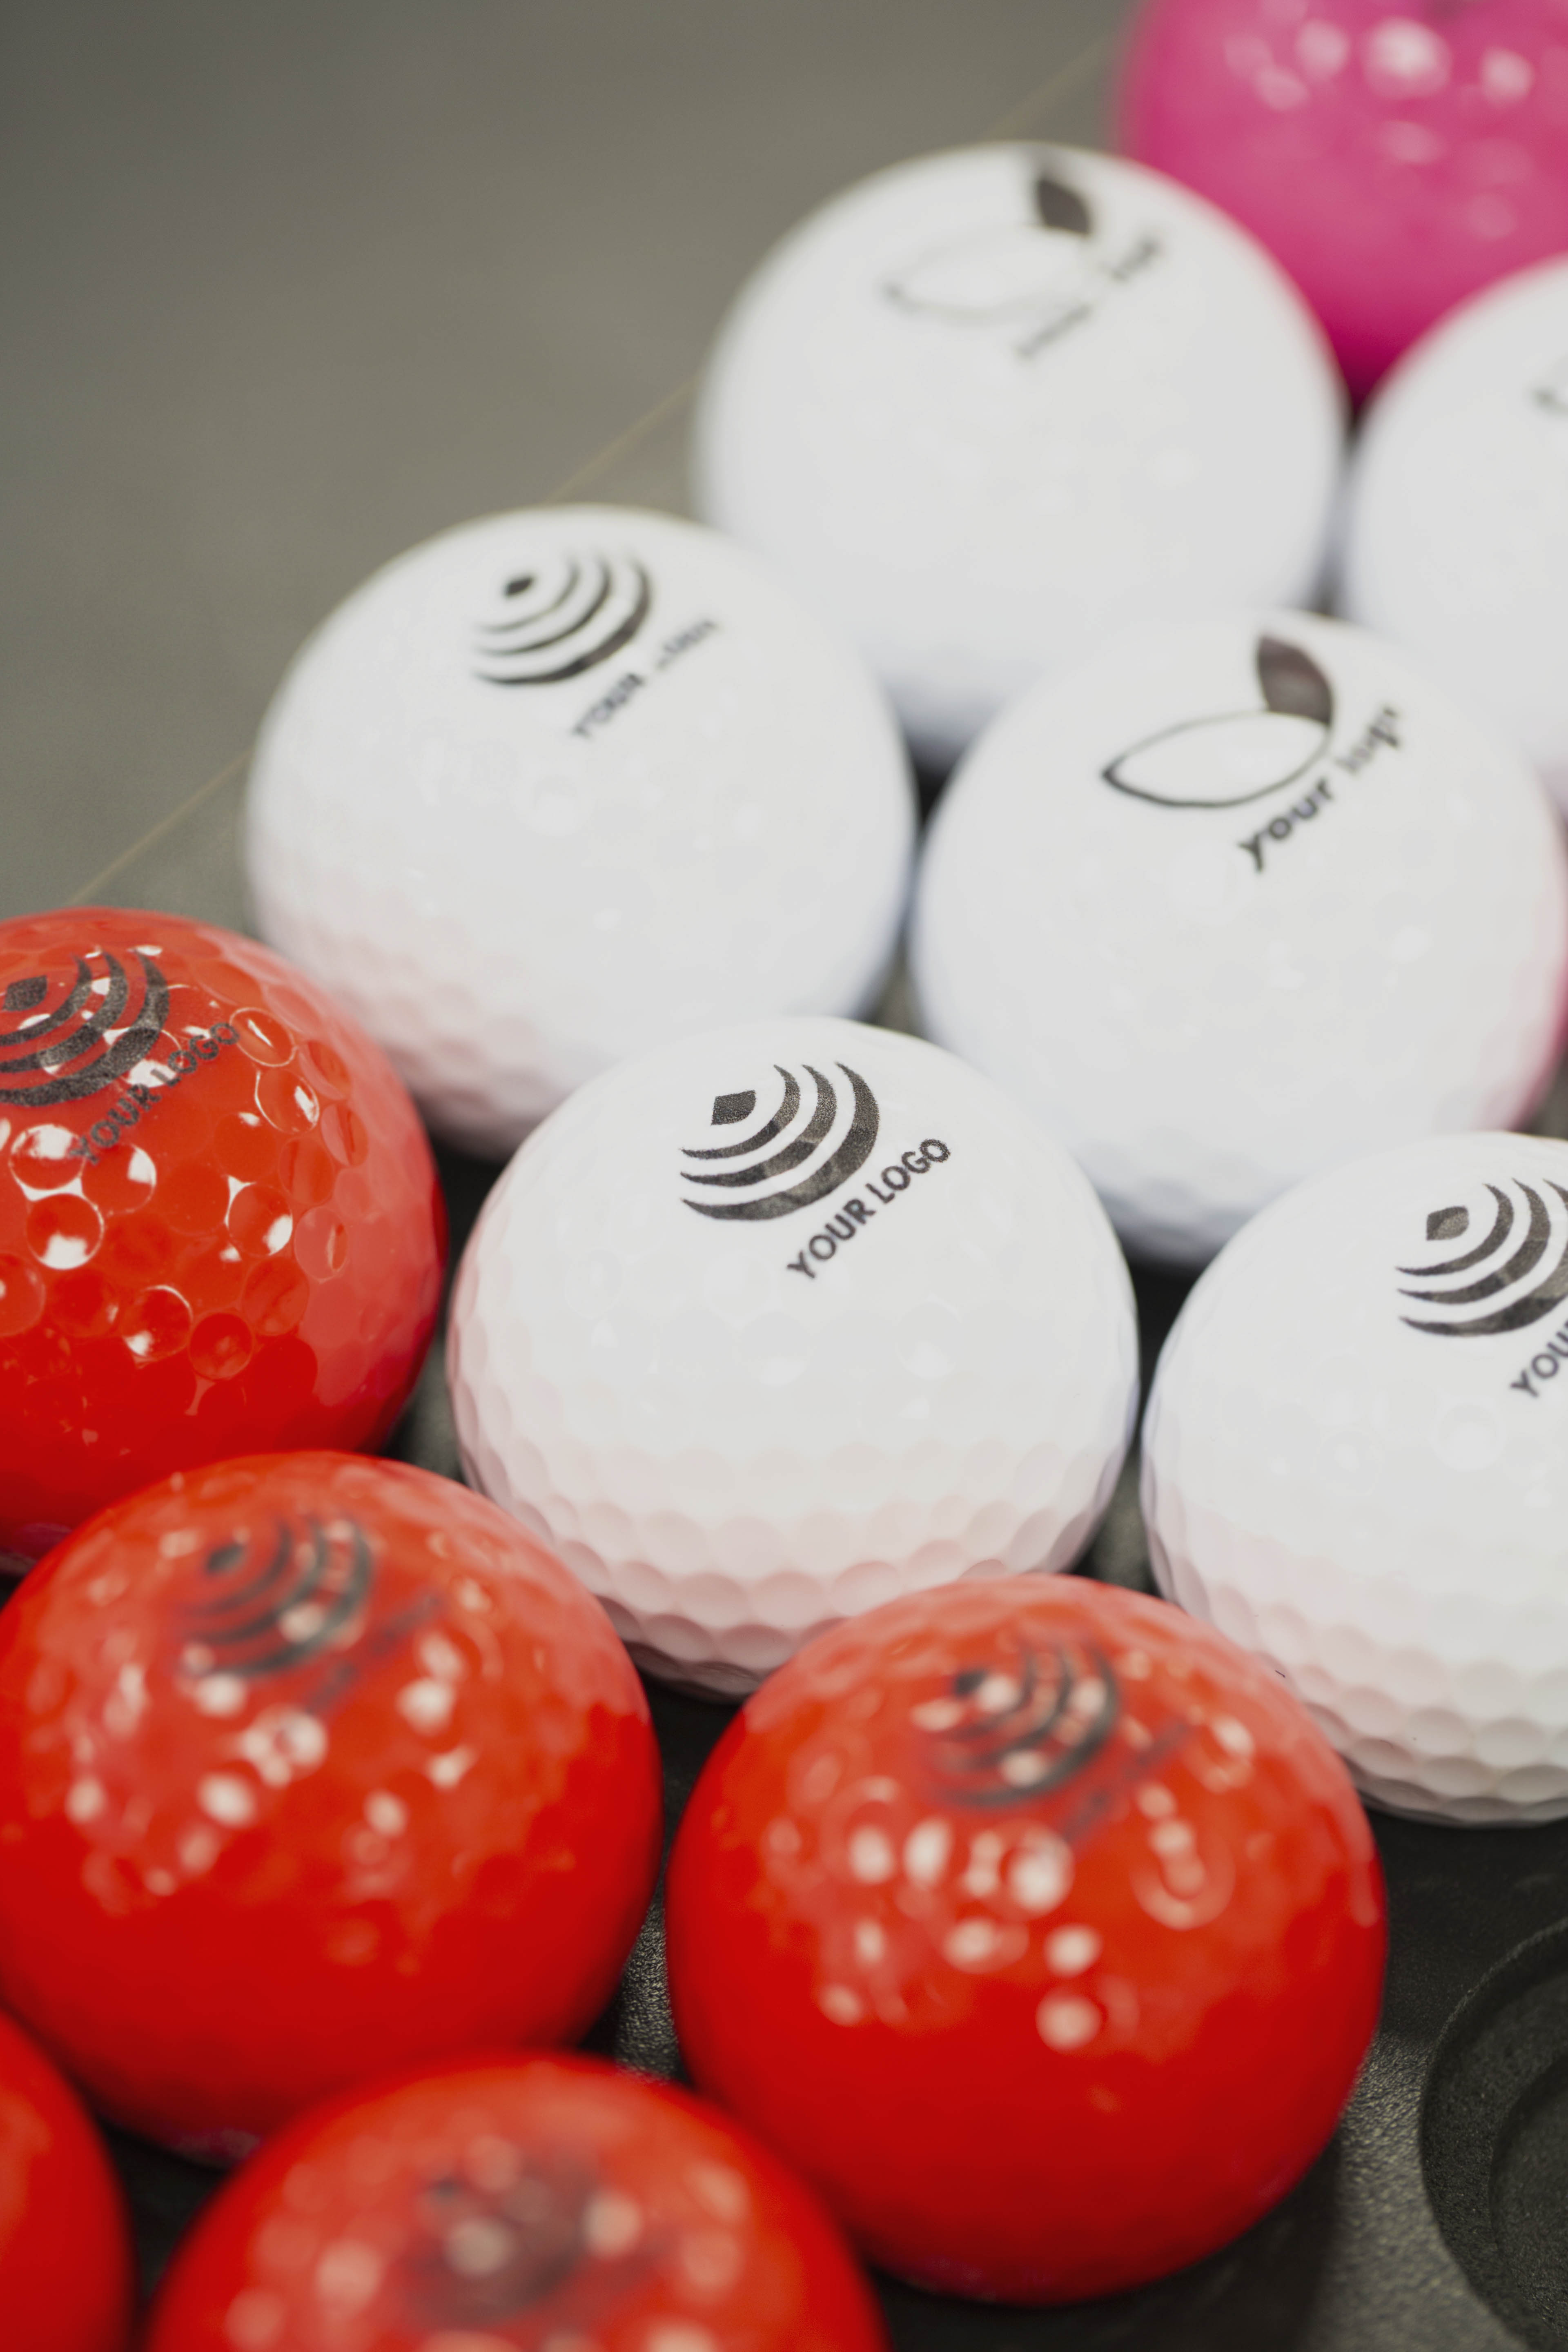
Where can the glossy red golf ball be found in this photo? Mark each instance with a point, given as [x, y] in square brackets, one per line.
[309, 1766]
[1037, 1926]
[1395, 155]
[220, 1226]
[545, 2203]
[65, 2249]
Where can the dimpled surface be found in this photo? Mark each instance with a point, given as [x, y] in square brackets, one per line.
[219, 1222]
[550, 2202]
[894, 1345]
[559, 785]
[309, 1766]
[1456, 539]
[1037, 1926]
[1360, 1474]
[1395, 158]
[65, 2250]
[988, 405]
[1237, 900]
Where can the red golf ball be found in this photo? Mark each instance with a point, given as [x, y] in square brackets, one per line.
[309, 1766]
[64, 2249]
[220, 1225]
[1037, 1926]
[547, 2203]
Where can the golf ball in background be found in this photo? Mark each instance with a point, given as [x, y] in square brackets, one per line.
[763, 1328]
[987, 406]
[1354, 1464]
[1237, 899]
[66, 2277]
[220, 1226]
[551, 2201]
[1455, 542]
[309, 1766]
[1393, 158]
[1037, 1926]
[560, 785]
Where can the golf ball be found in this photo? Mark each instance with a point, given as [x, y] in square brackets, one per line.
[989, 405]
[220, 1226]
[765, 1328]
[1037, 1926]
[1354, 1465]
[1237, 899]
[556, 2204]
[66, 2277]
[559, 785]
[1393, 158]
[309, 1766]
[1456, 541]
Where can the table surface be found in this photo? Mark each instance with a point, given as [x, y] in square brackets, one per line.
[294, 287]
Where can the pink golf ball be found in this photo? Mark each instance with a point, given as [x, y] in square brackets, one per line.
[1394, 158]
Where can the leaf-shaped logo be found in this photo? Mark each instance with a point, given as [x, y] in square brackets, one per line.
[1232, 757]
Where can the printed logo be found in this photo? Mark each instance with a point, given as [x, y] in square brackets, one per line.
[1514, 1274]
[272, 1602]
[813, 1143]
[567, 615]
[1003, 1733]
[1239, 755]
[1034, 278]
[66, 1035]
[534, 2233]
[1553, 395]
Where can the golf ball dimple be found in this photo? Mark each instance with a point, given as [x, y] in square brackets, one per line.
[1393, 158]
[220, 1225]
[988, 405]
[560, 785]
[1354, 1464]
[1237, 899]
[762, 1328]
[1058, 1906]
[1456, 541]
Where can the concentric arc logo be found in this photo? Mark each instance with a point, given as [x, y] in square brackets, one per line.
[564, 615]
[66, 1036]
[274, 1601]
[1525, 1242]
[754, 1168]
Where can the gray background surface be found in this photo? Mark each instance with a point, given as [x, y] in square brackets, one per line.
[284, 289]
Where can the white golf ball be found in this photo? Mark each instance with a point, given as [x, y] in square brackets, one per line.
[1355, 1464]
[1456, 532]
[987, 406]
[773, 1325]
[1238, 899]
[559, 785]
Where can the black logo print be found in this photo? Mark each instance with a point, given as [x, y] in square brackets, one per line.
[801, 1147]
[995, 276]
[1516, 1248]
[1006, 1732]
[1239, 755]
[565, 615]
[275, 1600]
[65, 1034]
[1553, 393]
[540, 2235]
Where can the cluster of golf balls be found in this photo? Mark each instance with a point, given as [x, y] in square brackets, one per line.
[797, 1352]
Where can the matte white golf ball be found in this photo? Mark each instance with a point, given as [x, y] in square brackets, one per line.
[987, 406]
[1238, 899]
[771, 1326]
[1456, 532]
[1355, 1464]
[558, 785]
